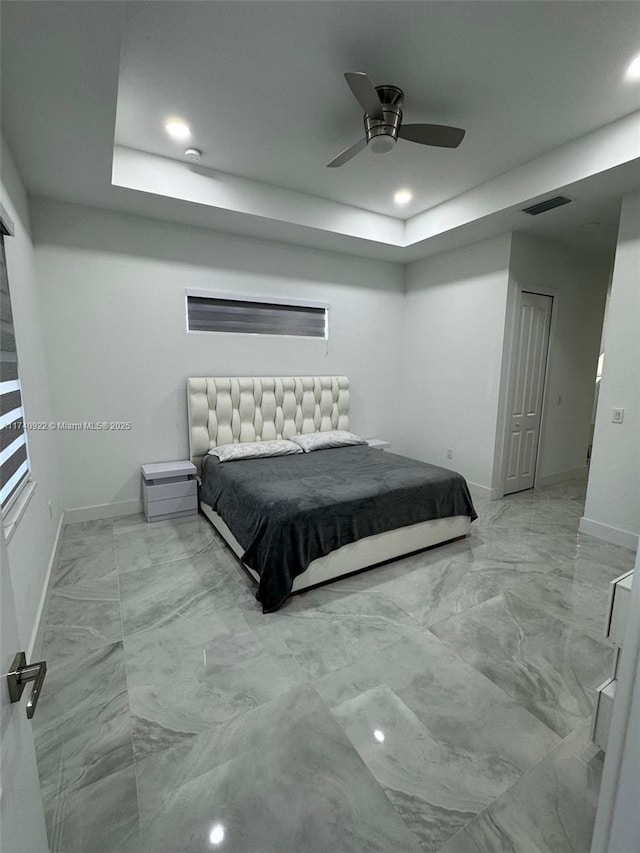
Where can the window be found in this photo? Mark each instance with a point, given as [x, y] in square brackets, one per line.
[213, 312]
[14, 458]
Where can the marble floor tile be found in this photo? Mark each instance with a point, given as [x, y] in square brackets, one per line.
[543, 663]
[82, 730]
[230, 724]
[125, 523]
[83, 616]
[305, 789]
[244, 733]
[157, 595]
[195, 674]
[569, 490]
[87, 568]
[100, 818]
[73, 547]
[590, 572]
[502, 514]
[433, 593]
[603, 552]
[326, 630]
[162, 542]
[516, 546]
[550, 810]
[435, 786]
[82, 529]
[576, 603]
[524, 508]
[462, 709]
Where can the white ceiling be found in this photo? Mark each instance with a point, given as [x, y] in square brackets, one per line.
[261, 85]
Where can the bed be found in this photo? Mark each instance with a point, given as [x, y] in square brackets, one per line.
[301, 520]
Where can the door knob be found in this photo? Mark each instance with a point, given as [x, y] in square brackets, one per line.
[20, 675]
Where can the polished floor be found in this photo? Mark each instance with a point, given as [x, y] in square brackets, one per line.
[439, 703]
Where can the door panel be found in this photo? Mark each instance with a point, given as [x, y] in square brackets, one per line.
[22, 826]
[527, 390]
[514, 452]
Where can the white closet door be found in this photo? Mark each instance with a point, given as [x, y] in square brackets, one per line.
[527, 390]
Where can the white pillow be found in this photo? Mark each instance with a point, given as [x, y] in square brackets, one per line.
[323, 440]
[254, 450]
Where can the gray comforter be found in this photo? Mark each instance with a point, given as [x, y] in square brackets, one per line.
[287, 511]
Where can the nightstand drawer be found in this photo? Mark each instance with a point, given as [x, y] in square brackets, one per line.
[619, 598]
[163, 491]
[170, 506]
[605, 696]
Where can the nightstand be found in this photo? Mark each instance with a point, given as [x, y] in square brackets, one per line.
[169, 490]
[378, 443]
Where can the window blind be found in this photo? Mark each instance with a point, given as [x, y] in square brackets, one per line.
[218, 314]
[14, 459]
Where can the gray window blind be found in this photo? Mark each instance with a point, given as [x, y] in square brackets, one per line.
[213, 314]
[14, 461]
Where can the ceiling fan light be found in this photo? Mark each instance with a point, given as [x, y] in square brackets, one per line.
[382, 144]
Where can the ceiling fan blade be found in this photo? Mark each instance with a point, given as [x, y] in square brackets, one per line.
[440, 135]
[348, 153]
[364, 93]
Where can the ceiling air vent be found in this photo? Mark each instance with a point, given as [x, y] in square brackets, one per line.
[547, 204]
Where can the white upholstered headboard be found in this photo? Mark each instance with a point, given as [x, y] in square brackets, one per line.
[227, 409]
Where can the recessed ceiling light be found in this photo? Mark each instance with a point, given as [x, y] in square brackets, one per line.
[178, 130]
[633, 69]
[403, 197]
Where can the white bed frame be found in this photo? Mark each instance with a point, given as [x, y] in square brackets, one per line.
[223, 410]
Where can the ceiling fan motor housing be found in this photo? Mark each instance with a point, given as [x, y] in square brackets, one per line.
[382, 135]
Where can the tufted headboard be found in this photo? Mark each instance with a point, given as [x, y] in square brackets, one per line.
[227, 409]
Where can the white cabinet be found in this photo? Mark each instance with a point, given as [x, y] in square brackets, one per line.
[615, 626]
[605, 695]
[618, 607]
[169, 490]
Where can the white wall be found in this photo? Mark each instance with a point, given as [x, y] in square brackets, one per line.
[578, 284]
[612, 508]
[113, 291]
[452, 355]
[31, 546]
[460, 308]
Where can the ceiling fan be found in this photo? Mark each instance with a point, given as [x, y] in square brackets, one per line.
[383, 126]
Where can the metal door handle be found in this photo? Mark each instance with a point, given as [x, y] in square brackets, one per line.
[517, 424]
[20, 675]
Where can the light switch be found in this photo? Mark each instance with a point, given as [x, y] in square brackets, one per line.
[617, 416]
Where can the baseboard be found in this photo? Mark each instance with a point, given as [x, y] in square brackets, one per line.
[608, 533]
[35, 643]
[92, 513]
[563, 476]
[479, 491]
